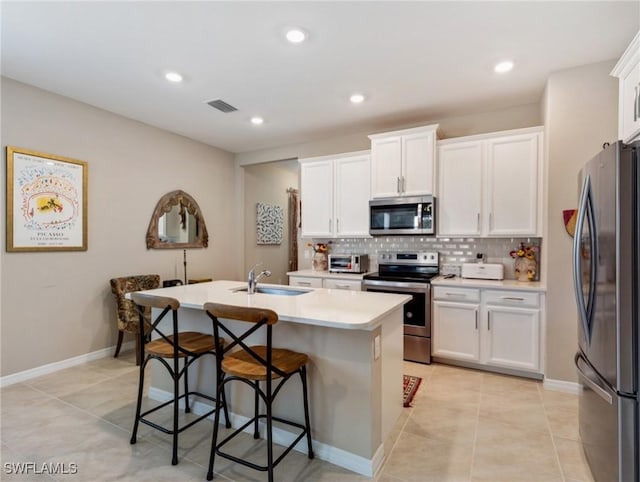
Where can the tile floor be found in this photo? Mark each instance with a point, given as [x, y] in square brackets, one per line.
[464, 426]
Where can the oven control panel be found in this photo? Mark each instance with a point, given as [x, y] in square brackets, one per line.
[425, 258]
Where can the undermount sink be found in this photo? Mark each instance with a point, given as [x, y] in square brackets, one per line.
[266, 290]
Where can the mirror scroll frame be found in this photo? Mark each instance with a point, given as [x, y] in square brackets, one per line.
[163, 206]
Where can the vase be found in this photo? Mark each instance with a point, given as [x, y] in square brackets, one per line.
[319, 261]
[525, 269]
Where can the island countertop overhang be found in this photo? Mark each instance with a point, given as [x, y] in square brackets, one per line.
[343, 309]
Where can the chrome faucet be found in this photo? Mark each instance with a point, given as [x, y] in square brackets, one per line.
[252, 279]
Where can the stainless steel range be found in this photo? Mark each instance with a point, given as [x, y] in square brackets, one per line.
[409, 273]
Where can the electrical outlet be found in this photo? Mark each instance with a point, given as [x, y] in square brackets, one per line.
[376, 347]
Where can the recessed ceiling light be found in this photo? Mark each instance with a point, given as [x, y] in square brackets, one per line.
[257, 120]
[173, 77]
[296, 35]
[503, 67]
[356, 98]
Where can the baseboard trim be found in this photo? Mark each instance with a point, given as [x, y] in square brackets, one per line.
[61, 365]
[561, 386]
[328, 453]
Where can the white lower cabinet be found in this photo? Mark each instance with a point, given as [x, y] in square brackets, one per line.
[496, 328]
[305, 281]
[342, 284]
[456, 325]
[324, 282]
[513, 337]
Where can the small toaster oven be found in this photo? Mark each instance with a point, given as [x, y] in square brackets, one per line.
[348, 263]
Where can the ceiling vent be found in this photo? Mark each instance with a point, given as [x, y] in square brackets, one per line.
[222, 106]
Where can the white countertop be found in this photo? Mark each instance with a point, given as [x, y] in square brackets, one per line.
[507, 284]
[310, 273]
[344, 309]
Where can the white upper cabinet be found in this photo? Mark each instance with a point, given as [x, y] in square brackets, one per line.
[351, 188]
[491, 184]
[460, 169]
[512, 185]
[627, 70]
[334, 193]
[316, 194]
[403, 162]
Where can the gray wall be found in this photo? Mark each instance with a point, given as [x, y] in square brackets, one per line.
[479, 123]
[580, 109]
[57, 305]
[268, 183]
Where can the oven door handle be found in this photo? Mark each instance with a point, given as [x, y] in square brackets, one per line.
[397, 286]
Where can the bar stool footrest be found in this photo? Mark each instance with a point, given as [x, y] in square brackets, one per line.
[169, 402]
[263, 468]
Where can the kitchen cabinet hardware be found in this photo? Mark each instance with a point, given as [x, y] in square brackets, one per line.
[343, 287]
[476, 320]
[404, 184]
[478, 222]
[398, 185]
[488, 321]
[304, 283]
[457, 295]
[635, 104]
[511, 298]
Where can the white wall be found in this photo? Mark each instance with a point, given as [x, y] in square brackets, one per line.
[59, 305]
[580, 114]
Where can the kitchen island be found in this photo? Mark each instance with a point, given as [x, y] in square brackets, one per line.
[355, 345]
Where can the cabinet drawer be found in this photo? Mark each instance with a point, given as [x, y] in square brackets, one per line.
[341, 284]
[451, 293]
[512, 298]
[306, 282]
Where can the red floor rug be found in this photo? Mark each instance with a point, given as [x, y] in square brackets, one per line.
[410, 386]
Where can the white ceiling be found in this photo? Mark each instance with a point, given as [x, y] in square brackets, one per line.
[413, 60]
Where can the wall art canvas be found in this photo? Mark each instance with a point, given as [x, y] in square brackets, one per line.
[46, 202]
[269, 224]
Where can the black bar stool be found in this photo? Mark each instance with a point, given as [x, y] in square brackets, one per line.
[251, 365]
[172, 344]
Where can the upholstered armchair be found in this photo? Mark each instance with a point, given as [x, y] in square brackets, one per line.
[126, 311]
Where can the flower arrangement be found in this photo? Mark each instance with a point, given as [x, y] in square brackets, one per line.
[524, 251]
[525, 266]
[319, 247]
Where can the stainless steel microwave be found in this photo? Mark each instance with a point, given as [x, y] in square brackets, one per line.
[402, 215]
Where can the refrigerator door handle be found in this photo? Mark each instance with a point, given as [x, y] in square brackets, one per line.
[585, 209]
[598, 390]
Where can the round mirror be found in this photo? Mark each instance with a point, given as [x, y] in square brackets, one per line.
[177, 222]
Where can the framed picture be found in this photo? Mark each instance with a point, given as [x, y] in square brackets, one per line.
[46, 202]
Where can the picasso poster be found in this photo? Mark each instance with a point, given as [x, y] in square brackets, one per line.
[46, 202]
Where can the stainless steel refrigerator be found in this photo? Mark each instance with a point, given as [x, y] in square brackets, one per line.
[606, 265]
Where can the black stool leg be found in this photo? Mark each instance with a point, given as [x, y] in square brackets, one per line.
[187, 409]
[269, 431]
[256, 432]
[303, 376]
[224, 405]
[138, 404]
[143, 364]
[176, 395]
[216, 421]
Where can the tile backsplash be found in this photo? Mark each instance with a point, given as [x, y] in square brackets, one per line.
[453, 251]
